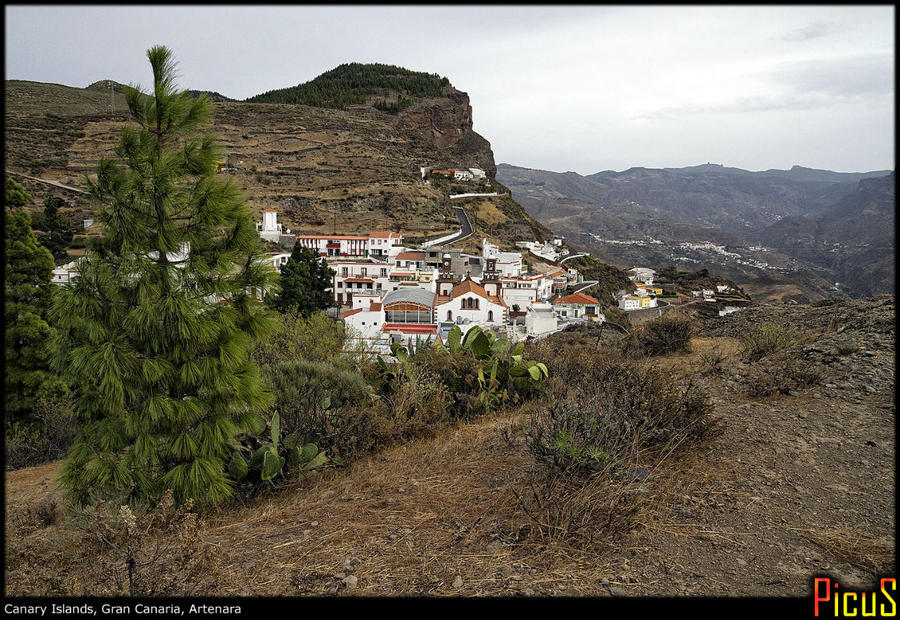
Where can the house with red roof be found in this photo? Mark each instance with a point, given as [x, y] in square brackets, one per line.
[576, 306]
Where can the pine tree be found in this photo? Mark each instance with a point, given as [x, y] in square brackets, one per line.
[306, 281]
[162, 316]
[28, 295]
[58, 231]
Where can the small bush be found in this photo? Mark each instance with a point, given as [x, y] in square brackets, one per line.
[767, 340]
[307, 394]
[623, 408]
[669, 333]
[46, 438]
[783, 374]
[160, 553]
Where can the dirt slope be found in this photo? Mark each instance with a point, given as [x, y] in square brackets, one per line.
[794, 486]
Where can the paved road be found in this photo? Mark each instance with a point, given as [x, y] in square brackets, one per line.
[465, 227]
[573, 256]
[47, 181]
[584, 285]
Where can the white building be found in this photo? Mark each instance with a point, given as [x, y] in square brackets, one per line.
[641, 274]
[508, 263]
[540, 319]
[478, 173]
[377, 244]
[462, 175]
[468, 302]
[526, 289]
[576, 306]
[269, 229]
[65, 273]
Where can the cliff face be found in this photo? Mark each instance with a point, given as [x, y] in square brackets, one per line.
[447, 121]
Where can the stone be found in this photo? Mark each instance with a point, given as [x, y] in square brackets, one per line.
[458, 582]
[617, 591]
[350, 581]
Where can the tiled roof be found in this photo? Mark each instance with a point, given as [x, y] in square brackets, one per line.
[355, 279]
[577, 298]
[411, 256]
[352, 312]
[469, 286]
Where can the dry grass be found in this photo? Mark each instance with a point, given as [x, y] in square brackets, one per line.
[875, 556]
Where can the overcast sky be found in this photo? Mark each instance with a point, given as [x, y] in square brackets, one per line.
[558, 88]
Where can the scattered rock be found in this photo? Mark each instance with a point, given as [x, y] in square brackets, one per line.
[458, 582]
[604, 582]
[617, 591]
[871, 443]
[493, 546]
[350, 581]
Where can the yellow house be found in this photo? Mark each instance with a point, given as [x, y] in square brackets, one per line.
[645, 301]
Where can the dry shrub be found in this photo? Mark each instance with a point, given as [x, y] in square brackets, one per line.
[47, 439]
[711, 361]
[609, 423]
[417, 406]
[782, 374]
[161, 553]
[767, 340]
[670, 333]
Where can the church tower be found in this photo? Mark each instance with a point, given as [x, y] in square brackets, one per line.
[445, 279]
[490, 278]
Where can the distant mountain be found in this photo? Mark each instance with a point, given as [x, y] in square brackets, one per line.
[709, 216]
[854, 238]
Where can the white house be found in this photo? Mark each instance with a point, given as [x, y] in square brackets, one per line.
[641, 274]
[722, 288]
[65, 273]
[540, 319]
[462, 175]
[377, 244]
[526, 289]
[358, 277]
[477, 173]
[366, 321]
[508, 263]
[578, 305]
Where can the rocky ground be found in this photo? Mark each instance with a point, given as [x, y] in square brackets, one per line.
[796, 484]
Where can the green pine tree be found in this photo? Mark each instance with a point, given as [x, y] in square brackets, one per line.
[58, 231]
[16, 196]
[28, 295]
[163, 314]
[306, 281]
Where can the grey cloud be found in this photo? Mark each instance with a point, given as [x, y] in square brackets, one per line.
[812, 31]
[802, 86]
[845, 77]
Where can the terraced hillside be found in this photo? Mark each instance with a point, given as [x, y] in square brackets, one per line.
[324, 170]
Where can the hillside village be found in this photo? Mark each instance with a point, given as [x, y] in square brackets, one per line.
[387, 292]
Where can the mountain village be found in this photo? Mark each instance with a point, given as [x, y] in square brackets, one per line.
[387, 292]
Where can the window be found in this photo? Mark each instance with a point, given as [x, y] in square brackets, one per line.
[490, 315]
[340, 284]
[383, 272]
[363, 272]
[344, 271]
[449, 315]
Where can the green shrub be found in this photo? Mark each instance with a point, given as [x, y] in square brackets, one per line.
[294, 339]
[766, 340]
[308, 393]
[669, 333]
